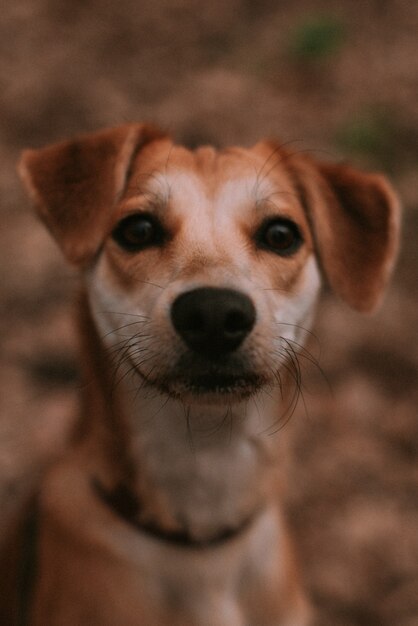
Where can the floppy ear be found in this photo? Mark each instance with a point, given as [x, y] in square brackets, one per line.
[355, 218]
[75, 184]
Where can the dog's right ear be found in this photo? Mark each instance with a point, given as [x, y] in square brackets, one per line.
[75, 184]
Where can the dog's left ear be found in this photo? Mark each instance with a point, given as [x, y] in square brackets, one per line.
[75, 184]
[355, 219]
[360, 233]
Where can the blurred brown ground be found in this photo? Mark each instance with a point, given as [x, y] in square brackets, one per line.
[337, 77]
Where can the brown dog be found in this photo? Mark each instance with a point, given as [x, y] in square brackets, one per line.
[200, 273]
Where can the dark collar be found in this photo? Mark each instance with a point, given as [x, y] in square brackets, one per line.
[126, 505]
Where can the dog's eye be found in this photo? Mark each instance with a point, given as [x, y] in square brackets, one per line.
[137, 231]
[280, 235]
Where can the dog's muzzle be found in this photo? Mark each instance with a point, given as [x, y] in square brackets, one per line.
[213, 324]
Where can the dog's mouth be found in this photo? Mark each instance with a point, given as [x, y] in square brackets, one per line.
[213, 384]
[217, 385]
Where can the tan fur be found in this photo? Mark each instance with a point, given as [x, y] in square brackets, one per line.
[164, 457]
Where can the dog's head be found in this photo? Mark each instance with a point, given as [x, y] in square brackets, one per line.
[204, 266]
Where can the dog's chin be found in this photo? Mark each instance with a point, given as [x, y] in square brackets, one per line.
[214, 389]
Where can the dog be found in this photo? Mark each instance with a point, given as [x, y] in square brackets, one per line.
[200, 274]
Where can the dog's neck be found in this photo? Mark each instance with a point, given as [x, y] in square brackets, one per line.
[203, 469]
[190, 470]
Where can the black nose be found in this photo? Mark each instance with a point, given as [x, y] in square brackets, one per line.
[213, 321]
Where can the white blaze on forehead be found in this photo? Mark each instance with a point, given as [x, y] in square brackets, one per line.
[204, 202]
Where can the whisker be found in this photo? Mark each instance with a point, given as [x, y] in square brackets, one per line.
[187, 410]
[306, 330]
[129, 314]
[116, 330]
[154, 415]
[304, 353]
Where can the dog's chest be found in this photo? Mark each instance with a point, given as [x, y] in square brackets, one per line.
[239, 582]
[212, 585]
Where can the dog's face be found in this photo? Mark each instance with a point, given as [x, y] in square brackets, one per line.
[203, 267]
[212, 253]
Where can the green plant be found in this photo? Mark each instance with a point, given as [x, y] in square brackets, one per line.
[368, 133]
[316, 38]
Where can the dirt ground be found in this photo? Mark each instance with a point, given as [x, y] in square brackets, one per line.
[336, 77]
